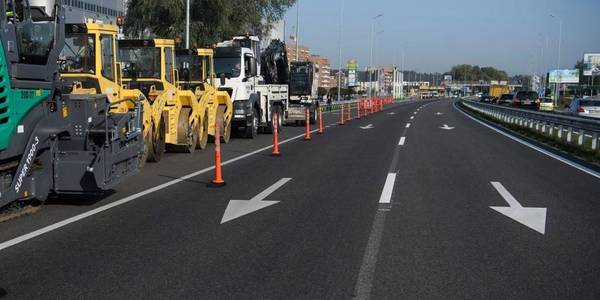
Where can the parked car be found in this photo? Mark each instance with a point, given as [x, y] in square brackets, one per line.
[486, 98]
[546, 104]
[589, 107]
[526, 98]
[505, 99]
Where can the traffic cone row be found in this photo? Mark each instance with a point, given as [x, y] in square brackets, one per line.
[366, 105]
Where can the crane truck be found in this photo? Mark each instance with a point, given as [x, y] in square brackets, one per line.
[257, 83]
[50, 142]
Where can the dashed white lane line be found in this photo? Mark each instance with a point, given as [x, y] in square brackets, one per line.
[402, 140]
[407, 125]
[412, 118]
[388, 188]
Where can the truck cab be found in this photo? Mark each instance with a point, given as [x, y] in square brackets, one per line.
[255, 100]
[303, 92]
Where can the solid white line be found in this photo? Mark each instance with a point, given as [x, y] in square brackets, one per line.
[534, 147]
[388, 188]
[130, 198]
[402, 140]
[407, 125]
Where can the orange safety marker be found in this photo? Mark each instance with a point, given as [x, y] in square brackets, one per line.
[276, 135]
[320, 121]
[218, 180]
[342, 118]
[307, 136]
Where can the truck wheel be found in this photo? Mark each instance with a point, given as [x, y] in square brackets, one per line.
[280, 119]
[252, 131]
[313, 117]
[203, 133]
[269, 128]
[158, 143]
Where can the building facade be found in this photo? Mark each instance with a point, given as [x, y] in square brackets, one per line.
[303, 52]
[107, 11]
[323, 71]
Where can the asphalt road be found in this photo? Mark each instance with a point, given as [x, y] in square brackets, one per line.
[372, 209]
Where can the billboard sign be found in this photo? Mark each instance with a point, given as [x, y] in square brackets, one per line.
[592, 64]
[564, 76]
[352, 67]
[447, 78]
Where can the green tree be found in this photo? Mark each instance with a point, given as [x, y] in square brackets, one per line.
[211, 21]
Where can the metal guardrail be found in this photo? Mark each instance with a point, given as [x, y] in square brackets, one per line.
[562, 127]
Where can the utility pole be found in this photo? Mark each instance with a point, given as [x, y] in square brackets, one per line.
[339, 91]
[187, 24]
[558, 79]
[297, 29]
[371, 59]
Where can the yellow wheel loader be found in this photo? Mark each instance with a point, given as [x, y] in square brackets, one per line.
[149, 65]
[88, 65]
[196, 73]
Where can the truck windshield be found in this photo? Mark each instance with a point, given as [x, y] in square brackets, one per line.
[35, 40]
[78, 54]
[229, 66]
[190, 67]
[141, 62]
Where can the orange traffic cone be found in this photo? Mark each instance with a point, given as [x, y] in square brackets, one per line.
[307, 136]
[320, 121]
[218, 180]
[342, 117]
[276, 135]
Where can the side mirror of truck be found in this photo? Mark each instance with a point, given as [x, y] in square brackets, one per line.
[253, 68]
[222, 78]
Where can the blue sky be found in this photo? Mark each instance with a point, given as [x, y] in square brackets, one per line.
[437, 34]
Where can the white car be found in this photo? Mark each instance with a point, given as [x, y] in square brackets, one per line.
[589, 107]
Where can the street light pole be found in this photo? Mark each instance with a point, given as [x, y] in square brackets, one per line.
[297, 28]
[339, 90]
[187, 24]
[371, 56]
[560, 25]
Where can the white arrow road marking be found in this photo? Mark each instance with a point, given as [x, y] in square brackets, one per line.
[239, 208]
[438, 113]
[402, 140]
[370, 126]
[446, 127]
[407, 125]
[532, 217]
[392, 113]
[388, 188]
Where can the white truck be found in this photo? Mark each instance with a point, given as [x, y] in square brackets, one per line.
[303, 93]
[256, 95]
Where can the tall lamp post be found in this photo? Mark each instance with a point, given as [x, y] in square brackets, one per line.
[371, 57]
[558, 79]
[339, 89]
